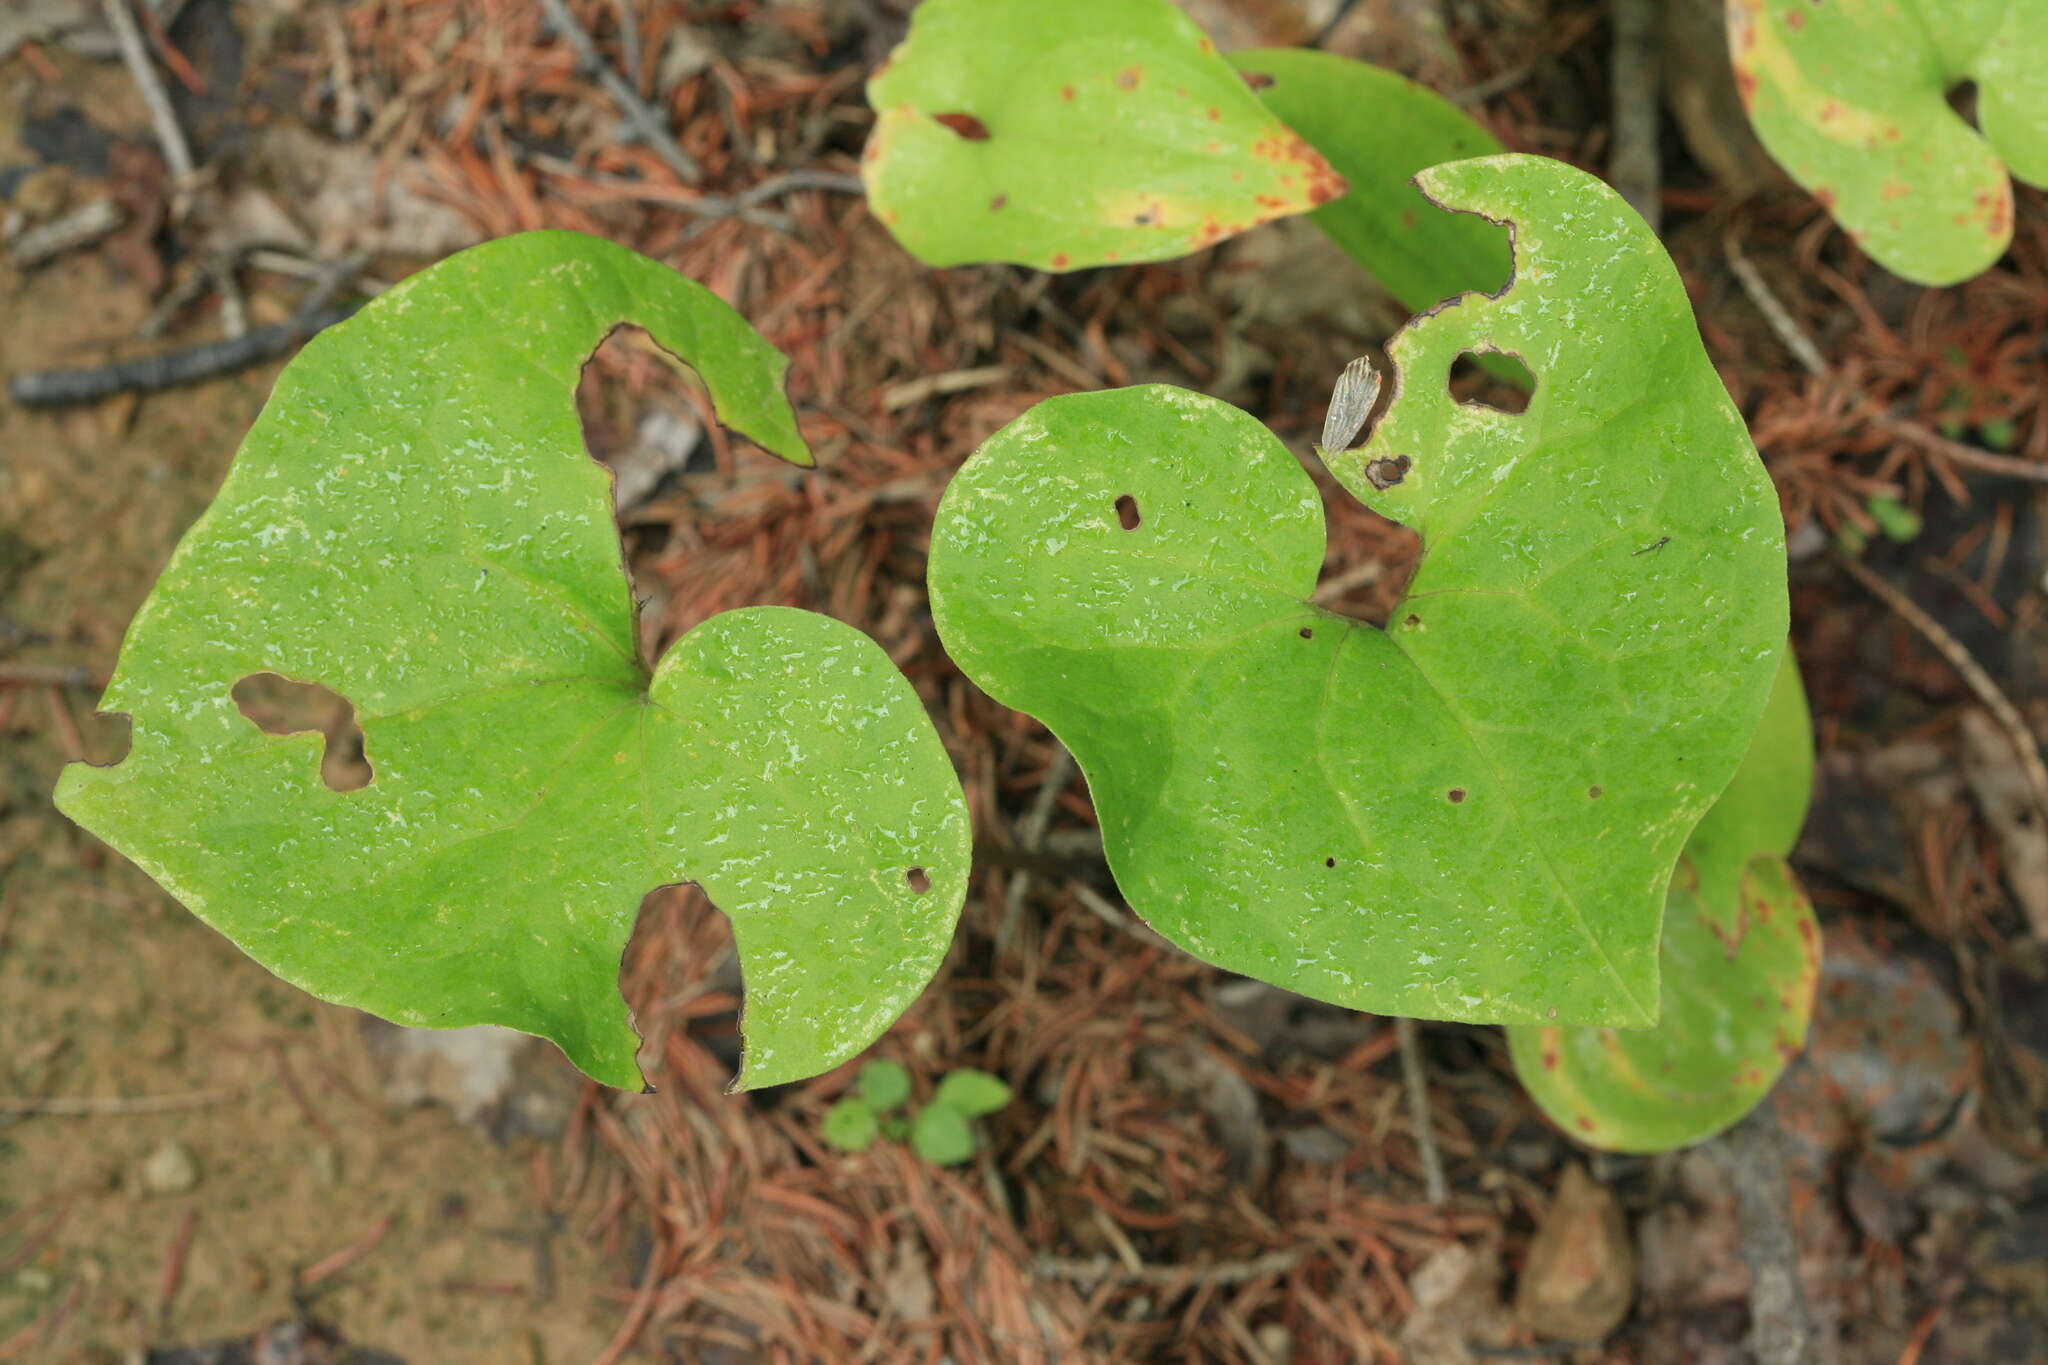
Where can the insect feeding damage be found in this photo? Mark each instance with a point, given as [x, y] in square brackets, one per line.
[1384, 473]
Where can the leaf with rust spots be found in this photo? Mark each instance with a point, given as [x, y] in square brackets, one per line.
[1739, 970]
[1063, 134]
[1474, 813]
[414, 523]
[1853, 100]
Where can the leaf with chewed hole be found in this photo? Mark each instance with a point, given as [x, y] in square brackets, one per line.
[1854, 101]
[1475, 812]
[1071, 133]
[1741, 958]
[414, 525]
[1378, 130]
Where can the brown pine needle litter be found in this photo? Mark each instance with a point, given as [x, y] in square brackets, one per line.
[1194, 1167]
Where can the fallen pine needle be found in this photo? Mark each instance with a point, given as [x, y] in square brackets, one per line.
[81, 1105]
[347, 1256]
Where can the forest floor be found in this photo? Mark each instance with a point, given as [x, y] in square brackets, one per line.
[1195, 1167]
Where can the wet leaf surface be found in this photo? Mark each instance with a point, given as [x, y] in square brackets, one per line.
[413, 524]
[1740, 958]
[1474, 813]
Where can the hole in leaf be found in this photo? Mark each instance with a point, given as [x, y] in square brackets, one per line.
[1127, 512]
[280, 706]
[643, 413]
[1329, 862]
[101, 738]
[1491, 379]
[1384, 473]
[966, 125]
[1307, 633]
[1456, 795]
[1375, 558]
[920, 880]
[1413, 620]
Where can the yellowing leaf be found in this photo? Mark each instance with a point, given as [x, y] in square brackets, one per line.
[1071, 133]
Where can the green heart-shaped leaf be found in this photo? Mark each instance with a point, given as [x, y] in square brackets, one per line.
[851, 1125]
[1853, 100]
[1070, 133]
[1473, 814]
[1378, 131]
[884, 1084]
[1741, 958]
[972, 1092]
[942, 1135]
[413, 523]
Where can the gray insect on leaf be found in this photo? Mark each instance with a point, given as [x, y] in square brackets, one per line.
[1358, 388]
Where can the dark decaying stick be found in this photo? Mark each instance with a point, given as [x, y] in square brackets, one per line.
[147, 374]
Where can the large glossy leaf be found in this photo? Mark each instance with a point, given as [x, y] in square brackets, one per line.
[1377, 130]
[1853, 100]
[1741, 958]
[1071, 133]
[413, 523]
[1474, 813]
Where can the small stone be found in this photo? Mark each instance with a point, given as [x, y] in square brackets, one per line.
[169, 1169]
[1581, 1273]
[160, 1044]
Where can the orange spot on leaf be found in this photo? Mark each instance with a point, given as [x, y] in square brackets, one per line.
[966, 125]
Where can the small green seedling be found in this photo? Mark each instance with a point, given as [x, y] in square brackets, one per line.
[1099, 132]
[413, 523]
[1854, 101]
[941, 1131]
[1475, 812]
[1898, 522]
[1741, 959]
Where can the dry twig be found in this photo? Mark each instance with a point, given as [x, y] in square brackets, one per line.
[2017, 731]
[99, 1106]
[1637, 107]
[147, 374]
[1810, 359]
[82, 226]
[650, 125]
[1219, 1273]
[1416, 1078]
[177, 152]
